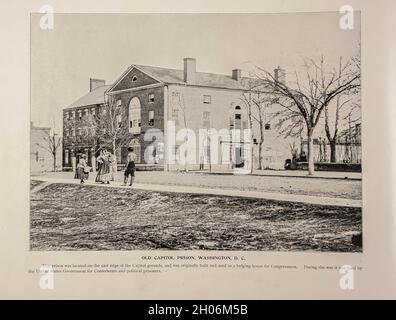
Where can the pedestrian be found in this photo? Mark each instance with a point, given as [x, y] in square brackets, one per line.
[100, 164]
[113, 166]
[83, 169]
[104, 164]
[130, 167]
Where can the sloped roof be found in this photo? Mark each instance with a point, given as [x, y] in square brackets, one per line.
[170, 76]
[175, 76]
[96, 96]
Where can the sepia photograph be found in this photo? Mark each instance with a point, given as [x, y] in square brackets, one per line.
[221, 132]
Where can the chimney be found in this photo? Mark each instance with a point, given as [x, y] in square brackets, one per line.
[280, 75]
[95, 83]
[189, 70]
[236, 74]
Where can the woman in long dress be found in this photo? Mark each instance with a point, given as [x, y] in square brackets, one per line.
[98, 177]
[113, 166]
[81, 169]
[103, 175]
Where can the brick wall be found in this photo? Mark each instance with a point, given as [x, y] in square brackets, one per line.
[146, 106]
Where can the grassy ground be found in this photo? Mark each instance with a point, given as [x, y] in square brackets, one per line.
[74, 217]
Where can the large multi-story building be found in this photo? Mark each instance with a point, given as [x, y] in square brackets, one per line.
[159, 102]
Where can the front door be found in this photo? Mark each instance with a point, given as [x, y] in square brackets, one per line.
[238, 157]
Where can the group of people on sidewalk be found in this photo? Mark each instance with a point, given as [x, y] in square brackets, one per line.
[107, 167]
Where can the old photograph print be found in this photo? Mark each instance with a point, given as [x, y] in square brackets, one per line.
[237, 132]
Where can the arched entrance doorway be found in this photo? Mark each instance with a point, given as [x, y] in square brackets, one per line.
[135, 144]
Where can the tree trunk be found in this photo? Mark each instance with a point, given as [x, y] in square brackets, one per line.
[54, 156]
[261, 145]
[333, 157]
[311, 164]
[114, 146]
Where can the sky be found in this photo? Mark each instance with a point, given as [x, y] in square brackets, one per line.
[83, 46]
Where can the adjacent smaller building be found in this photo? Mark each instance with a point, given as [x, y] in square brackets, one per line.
[40, 158]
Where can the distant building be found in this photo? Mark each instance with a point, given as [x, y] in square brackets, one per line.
[40, 158]
[152, 96]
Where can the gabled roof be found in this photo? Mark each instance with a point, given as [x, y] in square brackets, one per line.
[176, 76]
[167, 76]
[96, 96]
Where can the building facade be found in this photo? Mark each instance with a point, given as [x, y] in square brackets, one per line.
[41, 159]
[166, 108]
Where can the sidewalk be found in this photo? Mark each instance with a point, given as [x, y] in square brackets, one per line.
[293, 174]
[329, 201]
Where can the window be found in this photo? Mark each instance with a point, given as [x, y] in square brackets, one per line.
[79, 115]
[86, 112]
[206, 119]
[134, 78]
[237, 121]
[175, 113]
[72, 114]
[151, 97]
[73, 132]
[151, 118]
[37, 156]
[119, 102]
[93, 111]
[67, 133]
[207, 99]
[67, 115]
[134, 116]
[66, 156]
[119, 120]
[267, 126]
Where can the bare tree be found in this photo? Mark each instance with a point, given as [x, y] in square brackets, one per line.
[308, 99]
[248, 99]
[182, 107]
[112, 128]
[343, 103]
[257, 104]
[51, 143]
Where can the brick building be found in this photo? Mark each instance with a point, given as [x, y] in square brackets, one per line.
[153, 96]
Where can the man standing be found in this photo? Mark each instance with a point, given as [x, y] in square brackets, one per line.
[130, 167]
